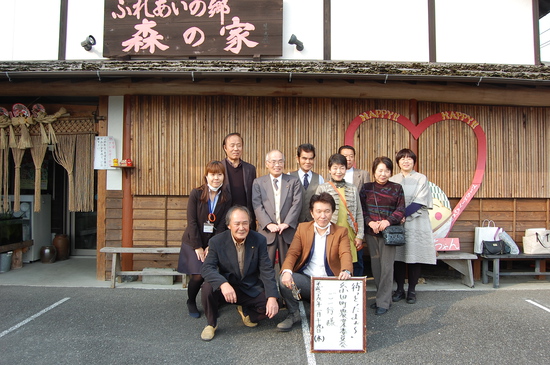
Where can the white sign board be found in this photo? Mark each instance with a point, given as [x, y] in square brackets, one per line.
[105, 152]
[338, 315]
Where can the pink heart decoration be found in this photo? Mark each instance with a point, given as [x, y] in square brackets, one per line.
[417, 130]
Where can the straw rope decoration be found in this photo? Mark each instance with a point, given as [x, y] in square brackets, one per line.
[42, 118]
[38, 151]
[17, 158]
[4, 152]
[84, 173]
[64, 154]
[4, 123]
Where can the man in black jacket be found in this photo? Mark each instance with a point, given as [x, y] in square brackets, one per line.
[237, 270]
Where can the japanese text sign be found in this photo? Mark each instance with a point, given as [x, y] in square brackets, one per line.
[171, 28]
[338, 315]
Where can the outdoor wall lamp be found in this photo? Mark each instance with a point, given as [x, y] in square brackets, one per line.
[298, 43]
[88, 43]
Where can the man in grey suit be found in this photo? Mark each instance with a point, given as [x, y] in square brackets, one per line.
[309, 179]
[358, 178]
[277, 201]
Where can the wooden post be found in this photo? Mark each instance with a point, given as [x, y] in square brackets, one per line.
[127, 200]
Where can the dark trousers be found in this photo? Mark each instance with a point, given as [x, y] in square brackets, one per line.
[359, 266]
[303, 282]
[212, 299]
[280, 245]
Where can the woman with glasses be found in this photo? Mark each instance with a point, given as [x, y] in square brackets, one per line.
[419, 248]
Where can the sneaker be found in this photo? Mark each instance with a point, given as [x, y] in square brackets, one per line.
[287, 324]
[398, 295]
[246, 318]
[411, 297]
[208, 333]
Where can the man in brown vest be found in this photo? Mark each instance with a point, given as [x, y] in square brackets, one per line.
[309, 179]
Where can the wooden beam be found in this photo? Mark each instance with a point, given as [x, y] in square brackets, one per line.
[101, 195]
[485, 94]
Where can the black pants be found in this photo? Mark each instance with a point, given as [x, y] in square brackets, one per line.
[212, 299]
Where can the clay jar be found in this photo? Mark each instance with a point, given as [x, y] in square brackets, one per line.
[61, 243]
[47, 254]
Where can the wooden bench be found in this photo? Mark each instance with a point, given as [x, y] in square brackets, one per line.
[496, 273]
[18, 249]
[116, 271]
[461, 262]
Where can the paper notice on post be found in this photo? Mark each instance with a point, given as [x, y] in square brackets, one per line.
[105, 152]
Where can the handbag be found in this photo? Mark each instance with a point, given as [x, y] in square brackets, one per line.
[536, 242]
[487, 232]
[393, 235]
[495, 248]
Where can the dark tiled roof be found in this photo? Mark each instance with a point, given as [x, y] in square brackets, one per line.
[277, 68]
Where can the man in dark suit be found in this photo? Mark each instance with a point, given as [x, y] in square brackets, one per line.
[277, 201]
[319, 249]
[309, 179]
[237, 270]
[240, 174]
[358, 178]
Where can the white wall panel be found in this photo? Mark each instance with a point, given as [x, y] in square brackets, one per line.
[30, 30]
[84, 18]
[304, 18]
[374, 30]
[485, 31]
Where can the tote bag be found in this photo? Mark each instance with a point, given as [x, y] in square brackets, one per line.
[536, 241]
[487, 232]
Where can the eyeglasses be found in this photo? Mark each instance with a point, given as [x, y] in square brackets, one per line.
[276, 162]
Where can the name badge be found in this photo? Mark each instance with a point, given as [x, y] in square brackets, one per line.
[208, 228]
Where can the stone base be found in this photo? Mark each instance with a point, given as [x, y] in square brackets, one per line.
[154, 276]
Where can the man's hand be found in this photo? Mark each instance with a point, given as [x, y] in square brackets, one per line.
[272, 227]
[375, 226]
[272, 307]
[286, 279]
[383, 225]
[228, 293]
[282, 227]
[344, 276]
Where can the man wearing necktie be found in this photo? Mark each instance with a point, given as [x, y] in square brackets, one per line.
[310, 180]
[277, 202]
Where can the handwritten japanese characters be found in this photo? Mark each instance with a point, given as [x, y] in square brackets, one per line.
[338, 315]
[192, 27]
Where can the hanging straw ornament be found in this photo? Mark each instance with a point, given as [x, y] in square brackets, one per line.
[4, 123]
[41, 117]
[22, 117]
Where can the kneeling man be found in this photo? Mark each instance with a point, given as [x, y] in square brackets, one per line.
[237, 270]
[319, 248]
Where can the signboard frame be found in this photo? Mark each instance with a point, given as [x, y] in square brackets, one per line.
[346, 299]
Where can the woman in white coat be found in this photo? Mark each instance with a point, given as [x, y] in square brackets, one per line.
[419, 248]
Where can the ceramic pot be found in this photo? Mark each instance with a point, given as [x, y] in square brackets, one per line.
[47, 254]
[61, 243]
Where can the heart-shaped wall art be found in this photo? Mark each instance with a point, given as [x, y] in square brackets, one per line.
[417, 130]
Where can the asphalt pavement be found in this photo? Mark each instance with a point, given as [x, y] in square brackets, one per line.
[63, 325]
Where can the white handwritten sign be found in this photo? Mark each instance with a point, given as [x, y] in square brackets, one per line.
[338, 315]
[105, 151]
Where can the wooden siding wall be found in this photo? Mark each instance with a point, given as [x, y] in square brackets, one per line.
[113, 226]
[174, 137]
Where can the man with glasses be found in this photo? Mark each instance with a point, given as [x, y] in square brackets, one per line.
[277, 202]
